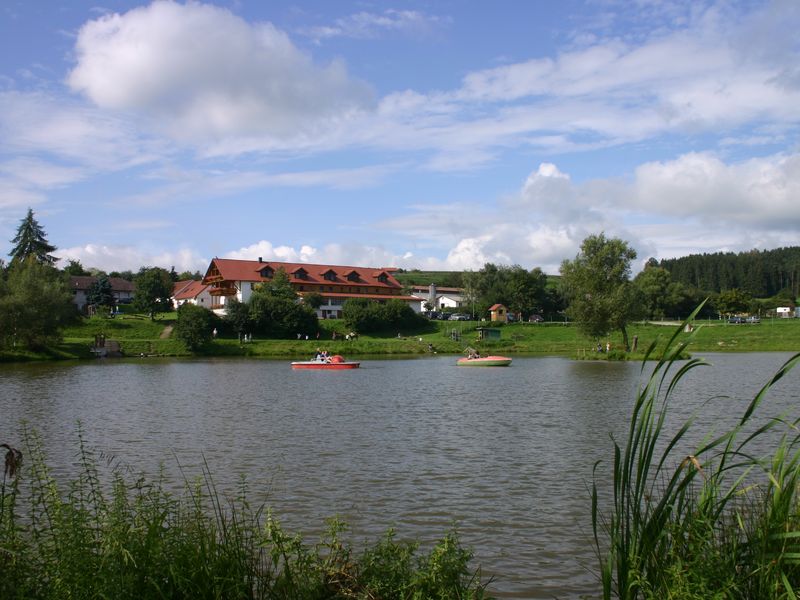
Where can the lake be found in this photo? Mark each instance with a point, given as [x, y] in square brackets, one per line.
[504, 454]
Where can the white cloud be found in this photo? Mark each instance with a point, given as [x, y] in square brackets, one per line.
[122, 258]
[366, 25]
[760, 193]
[39, 127]
[208, 75]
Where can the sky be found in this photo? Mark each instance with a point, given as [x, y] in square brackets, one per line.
[430, 135]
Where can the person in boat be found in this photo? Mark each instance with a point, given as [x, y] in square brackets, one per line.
[473, 354]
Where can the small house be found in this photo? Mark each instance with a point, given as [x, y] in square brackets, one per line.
[499, 313]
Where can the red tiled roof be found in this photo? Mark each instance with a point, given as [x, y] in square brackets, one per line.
[179, 286]
[249, 270]
[370, 296]
[193, 290]
[496, 306]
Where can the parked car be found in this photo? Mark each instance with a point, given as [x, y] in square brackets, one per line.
[536, 319]
[459, 317]
[753, 319]
[735, 320]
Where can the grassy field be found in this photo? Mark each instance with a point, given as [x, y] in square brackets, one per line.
[138, 335]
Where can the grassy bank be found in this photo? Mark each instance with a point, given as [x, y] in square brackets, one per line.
[139, 335]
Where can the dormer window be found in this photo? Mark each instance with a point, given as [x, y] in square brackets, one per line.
[353, 276]
[267, 272]
[329, 275]
[383, 278]
[300, 273]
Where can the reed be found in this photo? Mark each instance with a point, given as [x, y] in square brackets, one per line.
[720, 522]
[107, 534]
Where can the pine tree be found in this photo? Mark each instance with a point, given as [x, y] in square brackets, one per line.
[30, 241]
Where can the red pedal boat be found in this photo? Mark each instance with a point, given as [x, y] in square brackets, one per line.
[485, 361]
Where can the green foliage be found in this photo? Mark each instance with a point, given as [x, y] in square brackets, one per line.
[313, 299]
[101, 294]
[134, 539]
[598, 288]
[35, 304]
[720, 522]
[731, 302]
[760, 273]
[237, 317]
[153, 291]
[31, 242]
[368, 316]
[275, 310]
[194, 327]
[74, 267]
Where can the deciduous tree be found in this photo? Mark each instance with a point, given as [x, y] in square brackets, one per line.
[35, 304]
[153, 291]
[597, 286]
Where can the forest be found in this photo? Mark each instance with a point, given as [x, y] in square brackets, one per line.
[761, 273]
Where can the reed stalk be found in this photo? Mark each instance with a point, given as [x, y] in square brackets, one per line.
[719, 522]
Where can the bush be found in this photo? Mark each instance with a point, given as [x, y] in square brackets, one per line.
[195, 326]
[134, 539]
[368, 316]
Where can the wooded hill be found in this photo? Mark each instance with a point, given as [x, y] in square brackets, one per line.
[762, 273]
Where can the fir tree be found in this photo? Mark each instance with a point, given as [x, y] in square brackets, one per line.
[30, 241]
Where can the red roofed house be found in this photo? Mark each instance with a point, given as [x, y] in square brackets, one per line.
[193, 292]
[499, 313]
[229, 278]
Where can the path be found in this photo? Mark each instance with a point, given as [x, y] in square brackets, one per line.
[166, 333]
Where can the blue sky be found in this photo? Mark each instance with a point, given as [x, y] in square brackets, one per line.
[413, 134]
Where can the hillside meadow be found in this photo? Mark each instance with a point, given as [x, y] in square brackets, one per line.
[139, 336]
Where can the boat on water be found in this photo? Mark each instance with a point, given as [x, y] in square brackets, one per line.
[484, 361]
[333, 363]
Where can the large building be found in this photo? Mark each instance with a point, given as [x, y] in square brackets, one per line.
[230, 278]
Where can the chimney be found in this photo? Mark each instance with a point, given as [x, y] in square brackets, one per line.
[260, 259]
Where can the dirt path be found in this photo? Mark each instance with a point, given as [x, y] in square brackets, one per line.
[166, 333]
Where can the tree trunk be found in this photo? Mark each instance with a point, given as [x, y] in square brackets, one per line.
[625, 338]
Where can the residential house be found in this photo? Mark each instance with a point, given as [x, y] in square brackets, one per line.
[80, 285]
[439, 297]
[231, 278]
[193, 292]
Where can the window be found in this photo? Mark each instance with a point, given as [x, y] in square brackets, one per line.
[383, 278]
[301, 274]
[329, 275]
[267, 272]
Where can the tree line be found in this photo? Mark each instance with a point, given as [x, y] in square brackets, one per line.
[759, 273]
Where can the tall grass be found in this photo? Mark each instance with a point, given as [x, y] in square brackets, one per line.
[105, 535]
[721, 522]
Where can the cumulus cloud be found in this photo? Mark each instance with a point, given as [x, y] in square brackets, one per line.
[759, 193]
[206, 74]
[123, 258]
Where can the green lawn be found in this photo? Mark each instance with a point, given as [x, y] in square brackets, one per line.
[138, 334]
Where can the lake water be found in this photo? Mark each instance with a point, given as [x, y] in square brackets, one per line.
[505, 454]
